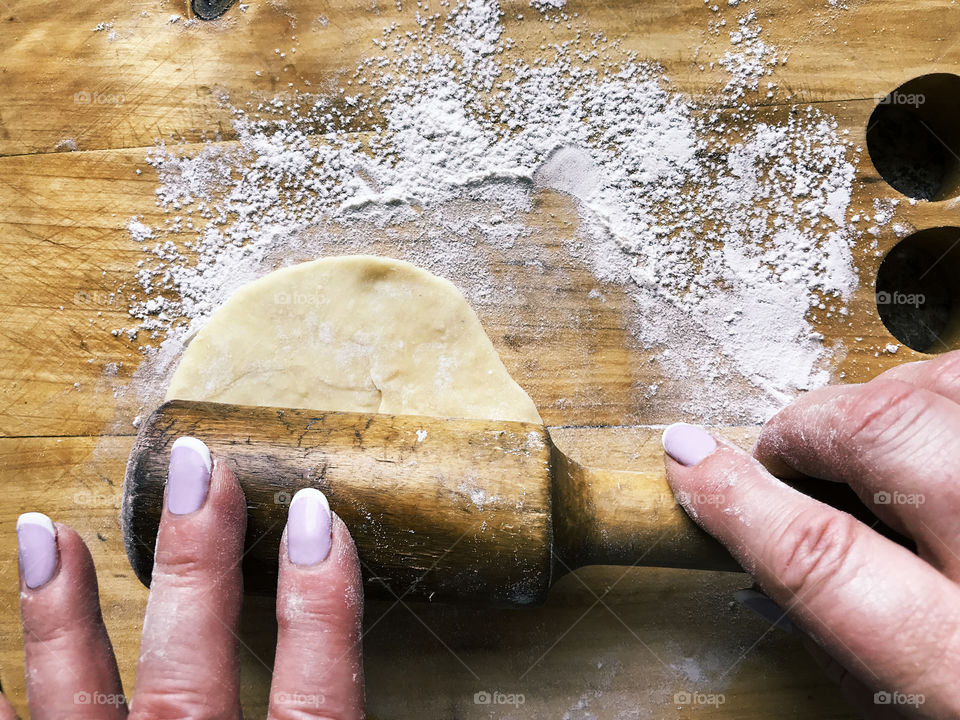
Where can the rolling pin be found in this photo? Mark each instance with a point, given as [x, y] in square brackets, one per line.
[440, 509]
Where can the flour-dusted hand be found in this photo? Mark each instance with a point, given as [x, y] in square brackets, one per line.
[189, 661]
[883, 620]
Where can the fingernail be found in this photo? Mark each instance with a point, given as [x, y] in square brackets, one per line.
[189, 476]
[308, 527]
[764, 607]
[688, 444]
[36, 548]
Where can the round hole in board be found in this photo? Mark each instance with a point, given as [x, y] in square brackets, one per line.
[914, 137]
[918, 290]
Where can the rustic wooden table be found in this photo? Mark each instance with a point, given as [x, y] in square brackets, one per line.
[611, 642]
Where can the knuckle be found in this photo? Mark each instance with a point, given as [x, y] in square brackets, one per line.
[881, 413]
[947, 373]
[60, 629]
[283, 712]
[813, 549]
[175, 705]
[180, 561]
[297, 611]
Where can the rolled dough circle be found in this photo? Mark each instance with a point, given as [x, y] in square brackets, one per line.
[355, 333]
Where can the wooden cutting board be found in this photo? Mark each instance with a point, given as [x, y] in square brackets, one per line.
[610, 642]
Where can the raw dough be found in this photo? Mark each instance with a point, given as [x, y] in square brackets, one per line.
[354, 333]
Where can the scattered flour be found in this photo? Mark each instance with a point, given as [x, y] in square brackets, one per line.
[138, 230]
[547, 5]
[66, 145]
[724, 240]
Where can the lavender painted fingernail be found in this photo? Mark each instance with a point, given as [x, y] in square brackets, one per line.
[189, 476]
[36, 548]
[308, 527]
[688, 444]
[764, 607]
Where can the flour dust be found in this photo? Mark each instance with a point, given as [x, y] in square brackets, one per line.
[724, 239]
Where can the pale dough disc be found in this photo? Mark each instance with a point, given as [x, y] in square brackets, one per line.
[355, 333]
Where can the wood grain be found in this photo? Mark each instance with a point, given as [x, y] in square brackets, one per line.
[170, 75]
[63, 243]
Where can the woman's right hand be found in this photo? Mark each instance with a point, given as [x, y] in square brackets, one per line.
[885, 622]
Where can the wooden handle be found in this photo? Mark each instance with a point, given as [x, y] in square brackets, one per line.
[609, 517]
[618, 517]
[439, 509]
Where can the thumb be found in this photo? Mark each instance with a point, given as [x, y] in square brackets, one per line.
[872, 604]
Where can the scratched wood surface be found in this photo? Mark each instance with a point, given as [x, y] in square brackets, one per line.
[611, 642]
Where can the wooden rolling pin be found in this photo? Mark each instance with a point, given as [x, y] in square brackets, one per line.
[442, 509]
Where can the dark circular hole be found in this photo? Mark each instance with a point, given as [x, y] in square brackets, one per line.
[914, 137]
[917, 293]
[210, 9]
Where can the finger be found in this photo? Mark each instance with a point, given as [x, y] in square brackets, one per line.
[189, 664]
[318, 670]
[6, 710]
[885, 614]
[71, 669]
[895, 444]
[940, 375]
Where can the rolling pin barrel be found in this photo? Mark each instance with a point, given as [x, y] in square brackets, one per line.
[438, 509]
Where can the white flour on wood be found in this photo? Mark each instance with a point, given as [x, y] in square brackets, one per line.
[725, 241]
